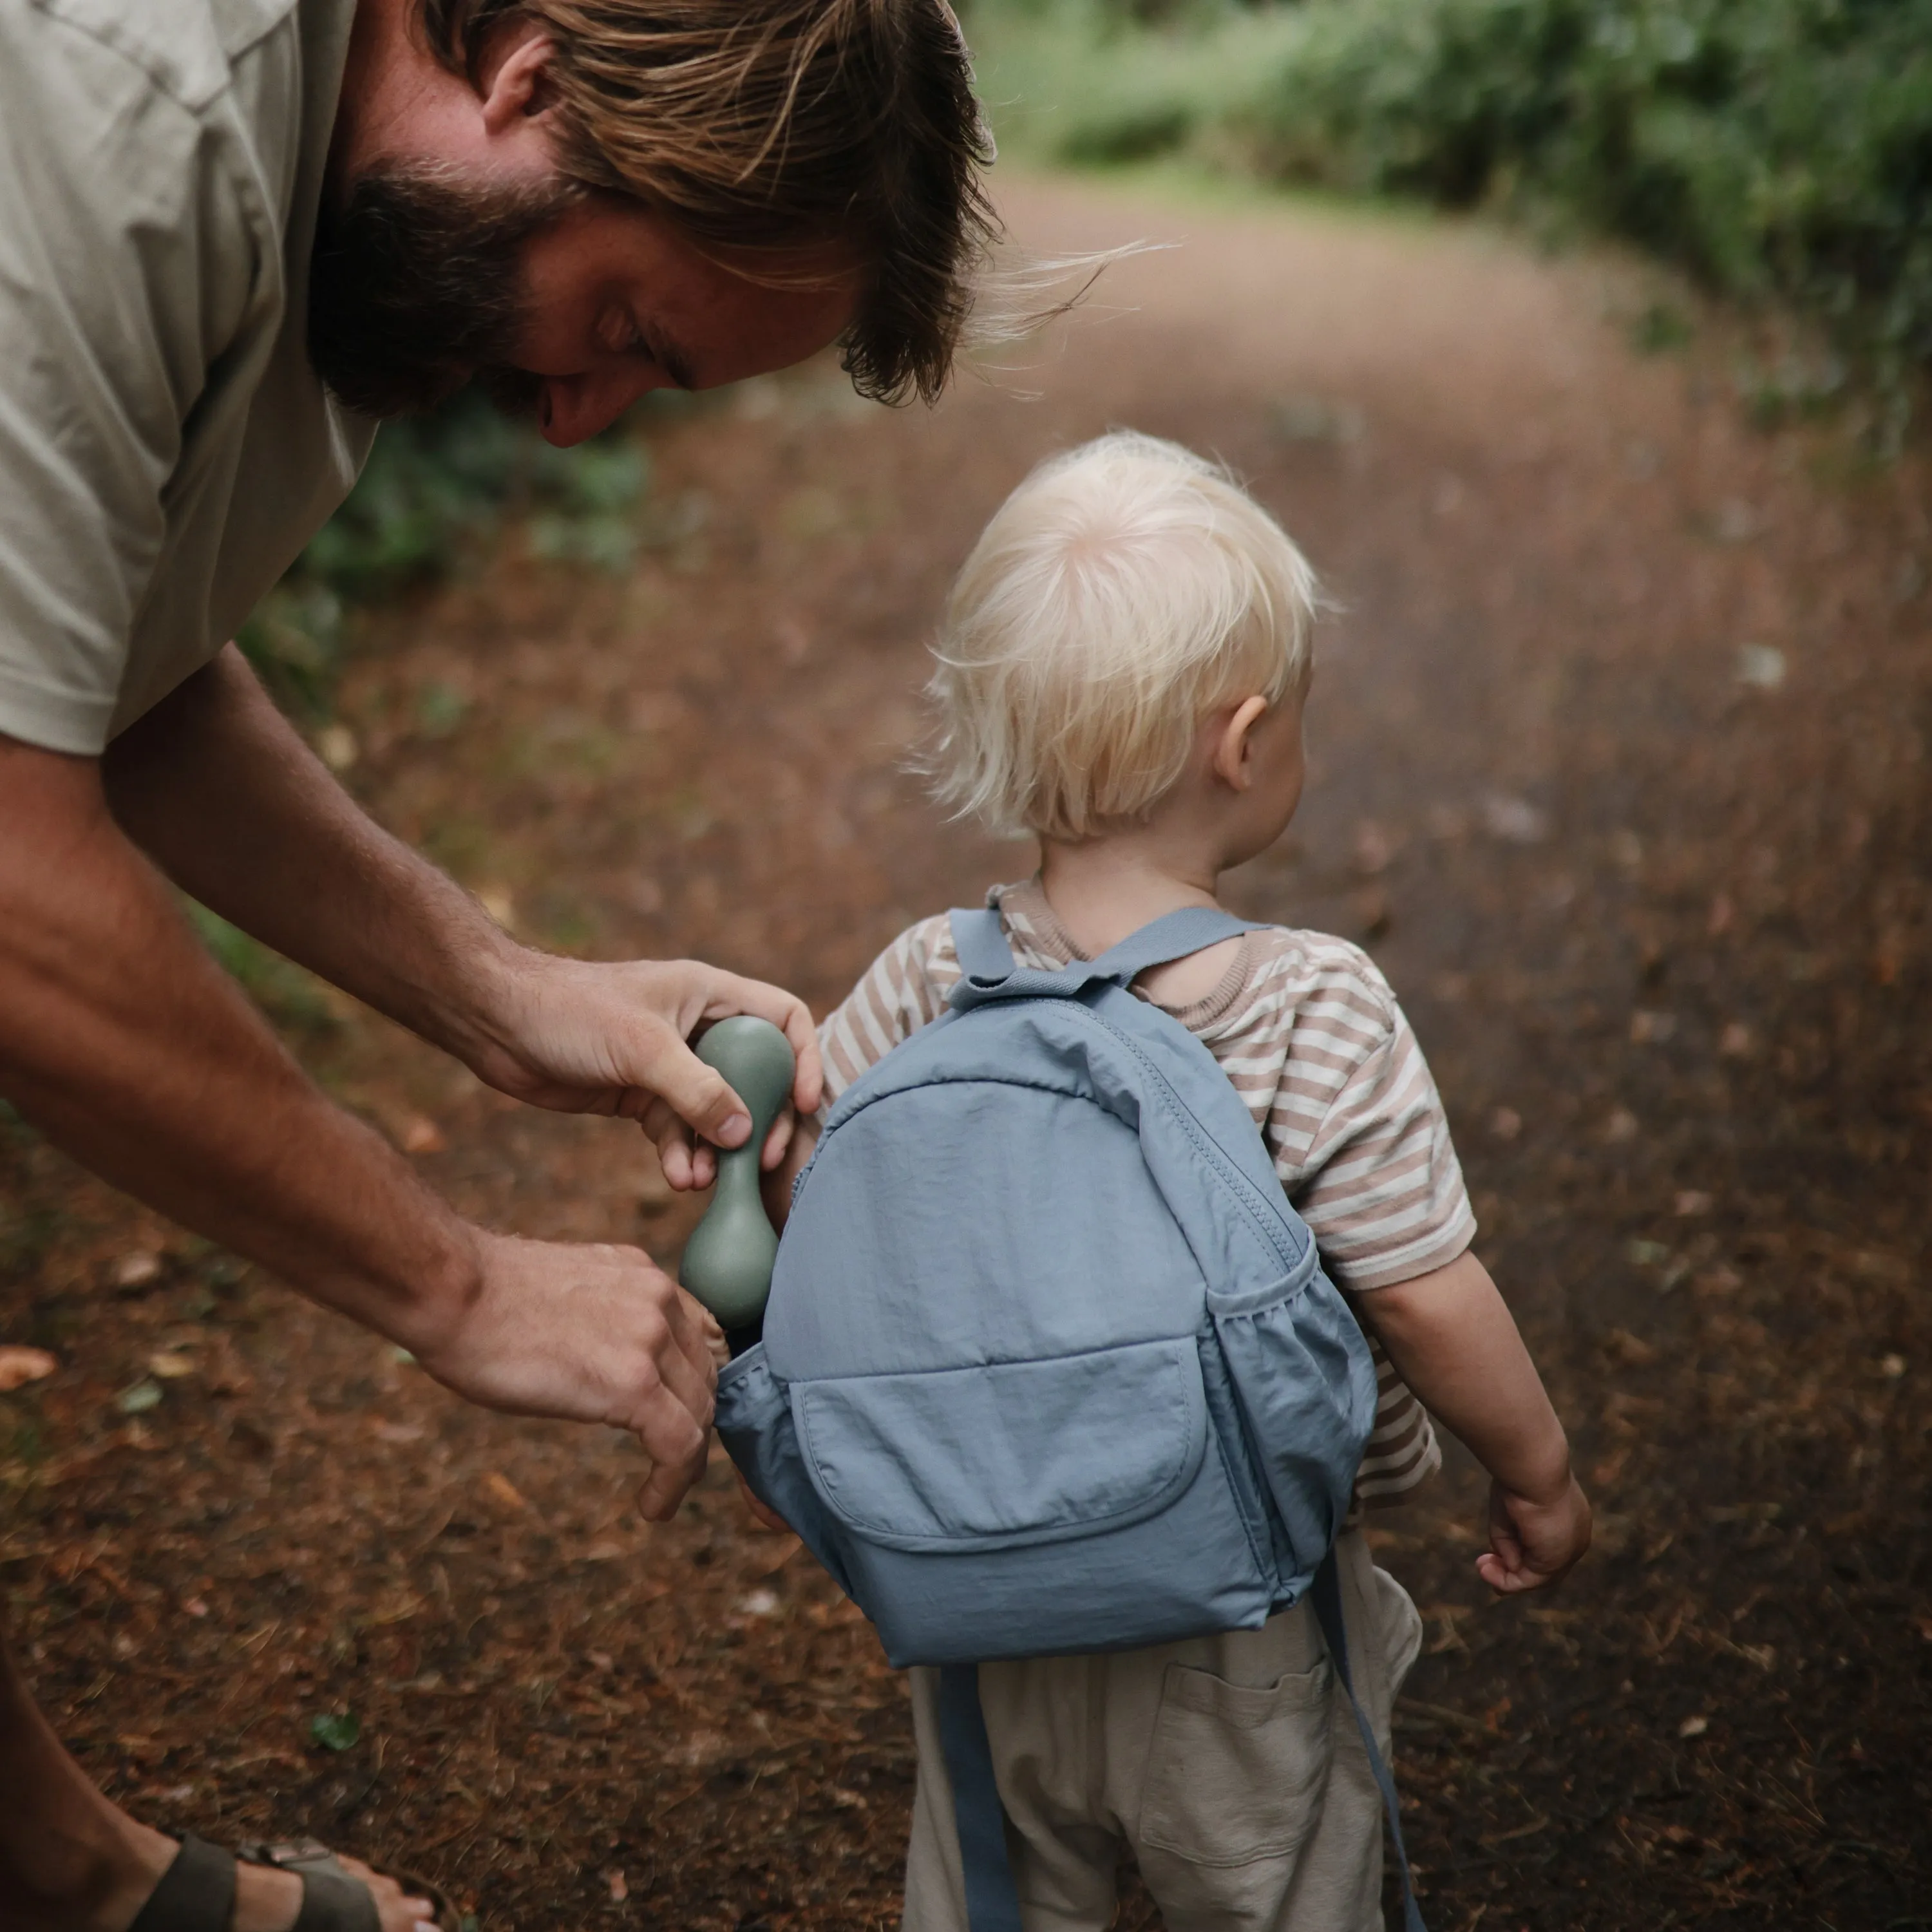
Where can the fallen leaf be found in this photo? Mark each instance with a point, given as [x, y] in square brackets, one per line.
[1505, 1123]
[1693, 1727]
[420, 1134]
[20, 1366]
[1373, 848]
[619, 1891]
[170, 1365]
[1633, 1351]
[505, 1491]
[139, 1398]
[1514, 820]
[1692, 1200]
[1760, 666]
[759, 1603]
[136, 1270]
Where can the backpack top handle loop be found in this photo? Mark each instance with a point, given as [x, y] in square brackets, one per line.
[1175, 935]
[989, 971]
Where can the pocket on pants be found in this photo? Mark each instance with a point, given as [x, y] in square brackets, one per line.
[1236, 1773]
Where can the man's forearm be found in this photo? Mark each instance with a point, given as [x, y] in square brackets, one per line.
[217, 788]
[123, 1041]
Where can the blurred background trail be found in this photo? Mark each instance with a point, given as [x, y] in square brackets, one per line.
[1618, 768]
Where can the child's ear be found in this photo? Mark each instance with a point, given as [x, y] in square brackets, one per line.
[1234, 759]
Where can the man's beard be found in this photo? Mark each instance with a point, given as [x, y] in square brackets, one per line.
[416, 287]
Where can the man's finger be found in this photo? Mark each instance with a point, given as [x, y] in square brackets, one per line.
[791, 1016]
[688, 1377]
[699, 1095]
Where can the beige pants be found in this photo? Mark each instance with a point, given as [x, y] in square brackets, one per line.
[1229, 1767]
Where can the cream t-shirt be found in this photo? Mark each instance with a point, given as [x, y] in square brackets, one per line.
[166, 450]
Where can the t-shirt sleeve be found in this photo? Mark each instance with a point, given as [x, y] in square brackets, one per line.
[120, 241]
[1379, 1184]
[902, 990]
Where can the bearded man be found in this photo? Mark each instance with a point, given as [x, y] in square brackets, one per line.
[233, 233]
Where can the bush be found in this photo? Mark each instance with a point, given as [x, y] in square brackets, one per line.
[1773, 147]
[435, 489]
[1776, 148]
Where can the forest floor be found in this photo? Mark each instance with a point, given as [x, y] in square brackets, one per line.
[1619, 770]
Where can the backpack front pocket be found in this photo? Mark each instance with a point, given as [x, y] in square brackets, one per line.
[1006, 1453]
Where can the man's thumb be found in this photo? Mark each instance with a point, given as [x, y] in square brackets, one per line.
[699, 1097]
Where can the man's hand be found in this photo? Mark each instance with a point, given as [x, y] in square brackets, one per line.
[585, 1039]
[1534, 1544]
[215, 785]
[586, 1334]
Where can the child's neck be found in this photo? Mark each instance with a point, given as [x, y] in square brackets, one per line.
[1103, 889]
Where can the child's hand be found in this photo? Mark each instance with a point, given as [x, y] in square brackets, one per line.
[775, 1183]
[1533, 1544]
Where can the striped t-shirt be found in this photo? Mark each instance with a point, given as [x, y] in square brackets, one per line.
[1311, 1037]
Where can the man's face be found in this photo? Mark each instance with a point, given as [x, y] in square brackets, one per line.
[569, 306]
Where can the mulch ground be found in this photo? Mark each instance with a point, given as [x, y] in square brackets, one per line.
[1620, 770]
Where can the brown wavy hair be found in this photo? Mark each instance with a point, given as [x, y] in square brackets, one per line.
[761, 127]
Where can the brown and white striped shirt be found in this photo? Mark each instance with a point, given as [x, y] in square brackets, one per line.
[1311, 1037]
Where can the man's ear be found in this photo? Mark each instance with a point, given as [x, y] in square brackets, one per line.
[513, 78]
[1233, 764]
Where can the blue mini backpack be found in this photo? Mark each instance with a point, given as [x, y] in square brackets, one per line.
[1050, 1365]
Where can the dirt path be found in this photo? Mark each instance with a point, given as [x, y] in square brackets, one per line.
[1619, 769]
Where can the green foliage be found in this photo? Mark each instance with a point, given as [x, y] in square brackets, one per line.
[435, 490]
[292, 997]
[335, 1730]
[1775, 148]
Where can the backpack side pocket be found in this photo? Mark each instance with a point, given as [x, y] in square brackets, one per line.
[1306, 1387]
[754, 1424]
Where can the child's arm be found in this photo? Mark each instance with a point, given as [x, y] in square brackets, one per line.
[1454, 1342]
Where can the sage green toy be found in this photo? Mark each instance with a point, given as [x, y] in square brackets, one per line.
[727, 1262]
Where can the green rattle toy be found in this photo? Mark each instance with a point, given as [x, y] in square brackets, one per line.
[727, 1262]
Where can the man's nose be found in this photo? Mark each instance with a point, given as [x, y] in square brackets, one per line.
[571, 409]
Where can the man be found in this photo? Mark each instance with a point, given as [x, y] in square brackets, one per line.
[232, 232]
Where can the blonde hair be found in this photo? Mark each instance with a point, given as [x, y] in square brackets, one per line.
[1119, 595]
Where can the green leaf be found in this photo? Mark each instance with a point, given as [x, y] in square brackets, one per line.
[335, 1730]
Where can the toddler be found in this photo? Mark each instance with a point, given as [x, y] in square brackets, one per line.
[1123, 665]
